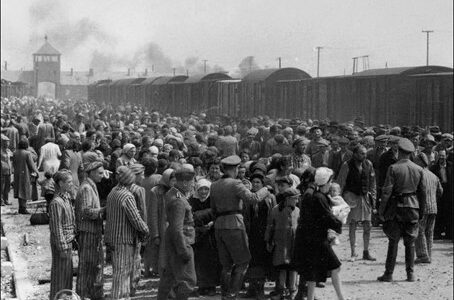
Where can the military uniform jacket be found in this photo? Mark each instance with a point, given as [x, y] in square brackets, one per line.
[180, 232]
[226, 201]
[404, 192]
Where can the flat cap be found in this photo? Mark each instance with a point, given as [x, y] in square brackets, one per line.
[382, 138]
[406, 145]
[185, 172]
[447, 136]
[232, 160]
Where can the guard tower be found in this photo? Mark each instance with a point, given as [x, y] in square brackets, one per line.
[46, 67]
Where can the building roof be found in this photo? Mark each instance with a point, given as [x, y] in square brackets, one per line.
[47, 49]
[207, 77]
[273, 75]
[404, 71]
[169, 79]
[18, 76]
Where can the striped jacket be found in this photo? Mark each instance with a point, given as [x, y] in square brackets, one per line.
[123, 222]
[61, 222]
[139, 195]
[433, 191]
[88, 209]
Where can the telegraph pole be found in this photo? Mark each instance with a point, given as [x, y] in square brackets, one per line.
[205, 66]
[318, 59]
[279, 59]
[174, 69]
[427, 51]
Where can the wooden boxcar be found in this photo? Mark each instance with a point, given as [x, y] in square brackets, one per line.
[228, 99]
[259, 92]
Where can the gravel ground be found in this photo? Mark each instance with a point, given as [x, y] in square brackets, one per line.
[434, 281]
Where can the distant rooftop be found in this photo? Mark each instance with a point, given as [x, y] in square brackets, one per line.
[404, 71]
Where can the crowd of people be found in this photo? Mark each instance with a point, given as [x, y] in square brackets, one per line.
[202, 202]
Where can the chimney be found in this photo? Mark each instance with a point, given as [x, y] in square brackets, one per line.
[146, 72]
[72, 72]
[90, 72]
[129, 72]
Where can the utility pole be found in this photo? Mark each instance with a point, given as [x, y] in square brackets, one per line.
[427, 51]
[318, 60]
[355, 64]
[279, 59]
[187, 72]
[205, 66]
[174, 69]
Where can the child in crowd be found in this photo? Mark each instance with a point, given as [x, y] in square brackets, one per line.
[47, 188]
[340, 210]
[280, 238]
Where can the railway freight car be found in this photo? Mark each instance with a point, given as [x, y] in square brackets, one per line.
[197, 93]
[259, 92]
[399, 96]
[159, 93]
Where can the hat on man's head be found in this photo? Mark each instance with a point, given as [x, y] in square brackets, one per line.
[233, 160]
[185, 172]
[406, 145]
[382, 138]
[429, 139]
[299, 140]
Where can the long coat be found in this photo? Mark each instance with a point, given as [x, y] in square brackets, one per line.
[72, 161]
[23, 167]
[205, 252]
[280, 231]
[313, 255]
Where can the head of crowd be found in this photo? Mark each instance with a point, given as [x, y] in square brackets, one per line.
[160, 141]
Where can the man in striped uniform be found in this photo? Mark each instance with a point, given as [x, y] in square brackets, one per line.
[89, 221]
[139, 196]
[179, 272]
[124, 228]
[434, 191]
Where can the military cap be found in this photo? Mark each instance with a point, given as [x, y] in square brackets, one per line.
[382, 138]
[447, 136]
[233, 160]
[406, 145]
[4, 137]
[430, 138]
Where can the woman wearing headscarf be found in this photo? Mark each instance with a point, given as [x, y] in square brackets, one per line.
[62, 226]
[255, 220]
[313, 255]
[154, 255]
[205, 253]
[127, 156]
[49, 157]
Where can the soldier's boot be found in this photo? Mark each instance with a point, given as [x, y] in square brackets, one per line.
[260, 290]
[236, 280]
[410, 261]
[226, 276]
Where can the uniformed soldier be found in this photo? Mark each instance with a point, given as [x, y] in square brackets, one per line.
[179, 272]
[403, 200]
[227, 196]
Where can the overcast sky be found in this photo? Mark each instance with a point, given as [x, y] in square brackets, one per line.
[115, 35]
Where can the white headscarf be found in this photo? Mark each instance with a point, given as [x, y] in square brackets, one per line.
[202, 183]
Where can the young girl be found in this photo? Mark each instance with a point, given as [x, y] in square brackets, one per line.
[340, 210]
[280, 236]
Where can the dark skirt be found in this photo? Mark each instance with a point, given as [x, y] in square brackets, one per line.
[207, 264]
[313, 258]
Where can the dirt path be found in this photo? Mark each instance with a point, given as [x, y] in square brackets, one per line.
[434, 281]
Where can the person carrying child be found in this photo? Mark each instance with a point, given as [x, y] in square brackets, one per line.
[340, 210]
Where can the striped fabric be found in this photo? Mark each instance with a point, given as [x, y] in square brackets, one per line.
[123, 221]
[433, 191]
[424, 241]
[90, 279]
[139, 196]
[136, 269]
[122, 270]
[61, 274]
[61, 222]
[87, 208]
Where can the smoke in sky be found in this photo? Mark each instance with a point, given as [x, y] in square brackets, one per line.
[247, 65]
